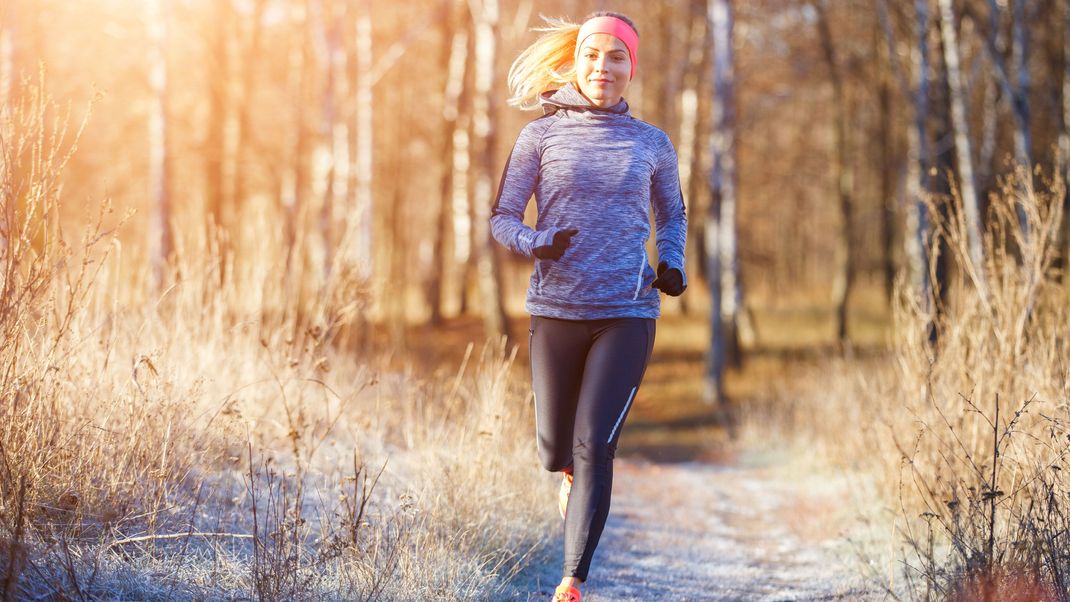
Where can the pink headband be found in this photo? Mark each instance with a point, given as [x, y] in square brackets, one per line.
[616, 28]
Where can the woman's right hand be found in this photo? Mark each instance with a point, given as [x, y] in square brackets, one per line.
[556, 247]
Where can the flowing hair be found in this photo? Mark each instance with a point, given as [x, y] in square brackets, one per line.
[549, 62]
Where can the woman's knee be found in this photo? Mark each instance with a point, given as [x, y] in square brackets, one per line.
[554, 460]
[594, 450]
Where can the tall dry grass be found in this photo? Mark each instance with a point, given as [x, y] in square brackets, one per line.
[217, 437]
[961, 441]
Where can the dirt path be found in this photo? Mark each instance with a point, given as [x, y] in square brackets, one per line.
[694, 531]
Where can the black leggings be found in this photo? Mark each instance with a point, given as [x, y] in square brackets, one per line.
[585, 374]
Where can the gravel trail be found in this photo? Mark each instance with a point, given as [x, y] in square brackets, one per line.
[694, 531]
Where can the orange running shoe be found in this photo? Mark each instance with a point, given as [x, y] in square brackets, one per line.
[562, 494]
[566, 593]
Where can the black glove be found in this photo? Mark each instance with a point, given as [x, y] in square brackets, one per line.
[669, 280]
[556, 249]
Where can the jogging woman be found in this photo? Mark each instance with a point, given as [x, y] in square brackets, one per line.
[595, 172]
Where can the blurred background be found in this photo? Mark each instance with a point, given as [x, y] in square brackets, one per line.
[256, 188]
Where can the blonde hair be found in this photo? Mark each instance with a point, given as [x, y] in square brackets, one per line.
[549, 62]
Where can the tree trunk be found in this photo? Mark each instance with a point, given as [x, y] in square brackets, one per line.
[1023, 135]
[844, 176]
[454, 50]
[330, 145]
[295, 191]
[250, 58]
[161, 242]
[463, 210]
[721, 254]
[963, 147]
[1064, 140]
[216, 144]
[1017, 93]
[920, 157]
[485, 14]
[359, 200]
[692, 130]
[888, 164]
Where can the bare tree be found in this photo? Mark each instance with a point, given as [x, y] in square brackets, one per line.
[293, 195]
[721, 257]
[1017, 92]
[844, 175]
[485, 130]
[244, 134]
[886, 148]
[161, 242]
[920, 159]
[963, 148]
[455, 53]
[215, 152]
[361, 142]
[330, 175]
[693, 128]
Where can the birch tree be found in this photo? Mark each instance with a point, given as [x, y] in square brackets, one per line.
[1016, 90]
[215, 153]
[243, 136]
[455, 55]
[843, 175]
[484, 128]
[963, 147]
[361, 142]
[692, 130]
[329, 175]
[919, 160]
[886, 150]
[218, 106]
[721, 258]
[295, 185]
[161, 242]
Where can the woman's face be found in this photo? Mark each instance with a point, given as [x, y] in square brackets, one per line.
[602, 69]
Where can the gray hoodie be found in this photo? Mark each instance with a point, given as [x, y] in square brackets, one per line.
[599, 171]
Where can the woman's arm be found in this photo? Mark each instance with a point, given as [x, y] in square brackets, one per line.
[519, 178]
[670, 217]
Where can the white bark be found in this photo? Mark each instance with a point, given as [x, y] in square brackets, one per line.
[161, 245]
[455, 44]
[917, 225]
[361, 157]
[963, 152]
[721, 248]
[486, 17]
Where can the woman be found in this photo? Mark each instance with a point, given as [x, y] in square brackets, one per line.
[595, 171]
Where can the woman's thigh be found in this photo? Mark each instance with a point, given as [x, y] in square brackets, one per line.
[613, 371]
[558, 350]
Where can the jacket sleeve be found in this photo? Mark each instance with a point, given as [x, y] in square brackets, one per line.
[519, 179]
[670, 216]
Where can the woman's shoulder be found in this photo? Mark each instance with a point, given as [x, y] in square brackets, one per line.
[653, 133]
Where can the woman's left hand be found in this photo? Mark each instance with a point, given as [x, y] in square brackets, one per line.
[669, 280]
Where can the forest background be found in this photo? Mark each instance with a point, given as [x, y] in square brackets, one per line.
[255, 232]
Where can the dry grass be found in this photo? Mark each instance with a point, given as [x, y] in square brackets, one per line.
[963, 441]
[223, 437]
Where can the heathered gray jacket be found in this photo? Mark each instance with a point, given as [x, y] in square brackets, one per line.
[597, 170]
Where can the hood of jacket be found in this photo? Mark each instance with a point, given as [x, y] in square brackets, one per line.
[569, 98]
